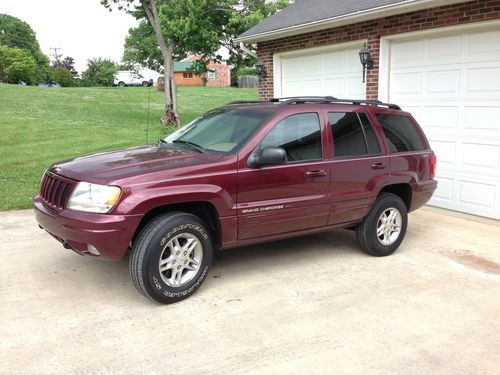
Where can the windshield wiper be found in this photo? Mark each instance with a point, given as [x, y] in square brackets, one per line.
[190, 144]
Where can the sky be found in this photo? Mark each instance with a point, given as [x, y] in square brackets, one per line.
[82, 29]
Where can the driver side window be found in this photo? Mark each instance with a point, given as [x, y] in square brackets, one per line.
[299, 135]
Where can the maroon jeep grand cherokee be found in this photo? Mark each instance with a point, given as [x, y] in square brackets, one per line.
[245, 173]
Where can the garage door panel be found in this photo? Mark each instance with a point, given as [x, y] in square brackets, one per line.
[453, 90]
[406, 83]
[482, 118]
[484, 44]
[481, 156]
[445, 152]
[335, 72]
[477, 194]
[335, 85]
[483, 80]
[407, 53]
[445, 48]
[334, 60]
[444, 191]
[443, 81]
[354, 89]
[442, 117]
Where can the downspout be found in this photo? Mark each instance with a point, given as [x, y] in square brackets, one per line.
[246, 50]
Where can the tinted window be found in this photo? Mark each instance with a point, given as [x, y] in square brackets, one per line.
[371, 138]
[400, 133]
[221, 130]
[299, 135]
[353, 134]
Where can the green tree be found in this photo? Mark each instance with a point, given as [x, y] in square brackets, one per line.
[67, 63]
[168, 28]
[16, 65]
[177, 26]
[63, 76]
[18, 34]
[247, 14]
[99, 72]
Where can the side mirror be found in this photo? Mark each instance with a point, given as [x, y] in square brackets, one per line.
[267, 156]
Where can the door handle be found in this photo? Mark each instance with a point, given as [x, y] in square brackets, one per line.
[316, 173]
[379, 166]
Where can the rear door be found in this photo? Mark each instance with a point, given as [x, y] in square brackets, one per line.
[289, 197]
[360, 165]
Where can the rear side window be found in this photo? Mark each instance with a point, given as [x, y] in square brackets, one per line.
[299, 135]
[400, 133]
[353, 134]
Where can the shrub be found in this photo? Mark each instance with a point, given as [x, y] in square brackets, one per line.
[64, 77]
[100, 72]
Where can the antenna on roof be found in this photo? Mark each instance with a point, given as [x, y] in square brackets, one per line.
[149, 102]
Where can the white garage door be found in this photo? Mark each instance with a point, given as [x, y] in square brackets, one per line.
[336, 72]
[451, 84]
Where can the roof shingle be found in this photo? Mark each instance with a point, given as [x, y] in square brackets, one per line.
[303, 12]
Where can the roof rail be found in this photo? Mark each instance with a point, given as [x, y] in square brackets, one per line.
[303, 99]
[319, 100]
[247, 102]
[378, 103]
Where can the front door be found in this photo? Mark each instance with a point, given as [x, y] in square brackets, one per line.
[291, 196]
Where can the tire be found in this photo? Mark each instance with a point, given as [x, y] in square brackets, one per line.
[184, 269]
[389, 212]
[121, 84]
[145, 84]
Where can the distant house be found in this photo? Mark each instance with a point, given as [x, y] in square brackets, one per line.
[218, 74]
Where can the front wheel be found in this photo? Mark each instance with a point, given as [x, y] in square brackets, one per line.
[171, 257]
[384, 227]
[145, 84]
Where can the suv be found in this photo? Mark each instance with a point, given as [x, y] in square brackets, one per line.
[245, 173]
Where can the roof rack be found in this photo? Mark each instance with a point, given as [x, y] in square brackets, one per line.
[247, 102]
[319, 100]
[375, 102]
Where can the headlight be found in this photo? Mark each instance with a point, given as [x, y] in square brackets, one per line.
[94, 198]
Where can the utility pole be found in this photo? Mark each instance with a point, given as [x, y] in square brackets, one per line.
[56, 55]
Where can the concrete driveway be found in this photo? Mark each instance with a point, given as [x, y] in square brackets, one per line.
[315, 304]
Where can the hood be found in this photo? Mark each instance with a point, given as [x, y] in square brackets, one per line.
[114, 165]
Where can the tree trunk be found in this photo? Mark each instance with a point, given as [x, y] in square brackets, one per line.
[167, 50]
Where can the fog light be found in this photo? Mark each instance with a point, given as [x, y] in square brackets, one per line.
[92, 249]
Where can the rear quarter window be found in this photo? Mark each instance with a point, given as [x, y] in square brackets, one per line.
[400, 133]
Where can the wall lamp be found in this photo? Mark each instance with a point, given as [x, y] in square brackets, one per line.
[366, 60]
[261, 71]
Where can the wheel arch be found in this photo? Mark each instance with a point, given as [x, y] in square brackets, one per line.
[204, 210]
[402, 190]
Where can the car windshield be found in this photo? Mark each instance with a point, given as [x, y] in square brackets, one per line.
[221, 130]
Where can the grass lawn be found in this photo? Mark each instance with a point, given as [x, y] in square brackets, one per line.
[39, 126]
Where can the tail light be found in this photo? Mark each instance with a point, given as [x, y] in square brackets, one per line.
[432, 166]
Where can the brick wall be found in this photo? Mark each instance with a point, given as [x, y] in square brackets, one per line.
[472, 11]
[222, 74]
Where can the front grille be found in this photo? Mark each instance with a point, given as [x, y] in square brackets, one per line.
[56, 190]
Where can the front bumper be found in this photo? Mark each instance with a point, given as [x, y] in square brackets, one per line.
[110, 234]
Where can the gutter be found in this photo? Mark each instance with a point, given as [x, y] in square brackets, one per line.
[404, 6]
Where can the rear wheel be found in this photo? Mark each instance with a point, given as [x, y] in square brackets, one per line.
[171, 257]
[121, 84]
[145, 84]
[384, 227]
